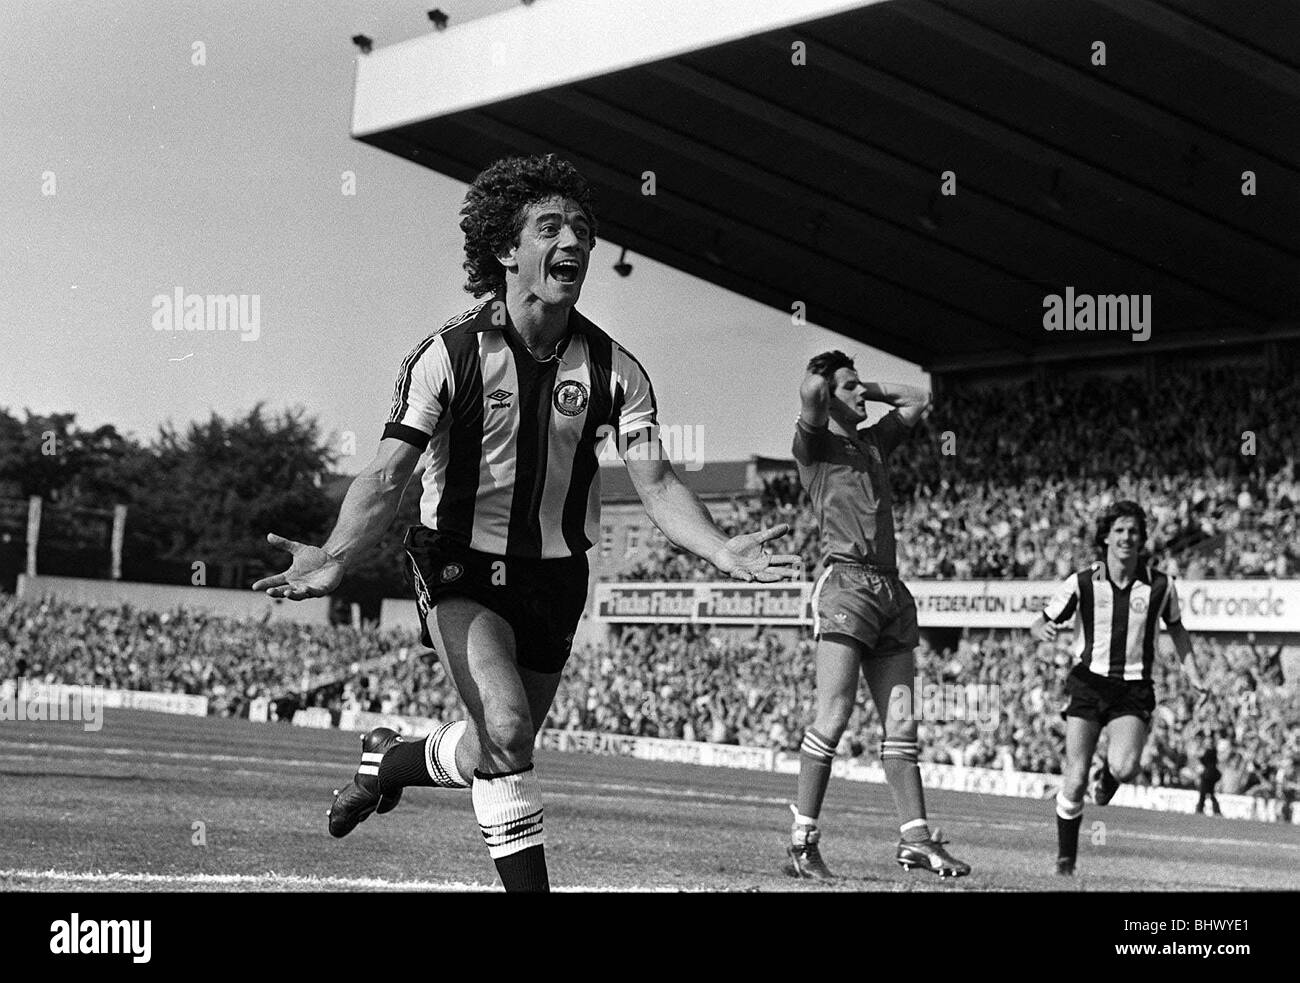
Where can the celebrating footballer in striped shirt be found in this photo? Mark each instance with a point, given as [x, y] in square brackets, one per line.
[1117, 602]
[507, 404]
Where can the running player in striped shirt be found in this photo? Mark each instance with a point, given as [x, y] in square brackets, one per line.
[1117, 602]
[508, 404]
[864, 617]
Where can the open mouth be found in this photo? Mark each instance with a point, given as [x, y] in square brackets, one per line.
[566, 271]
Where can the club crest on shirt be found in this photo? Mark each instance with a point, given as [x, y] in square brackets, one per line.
[452, 571]
[570, 397]
[1139, 604]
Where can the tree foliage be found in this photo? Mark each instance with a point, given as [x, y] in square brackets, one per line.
[208, 492]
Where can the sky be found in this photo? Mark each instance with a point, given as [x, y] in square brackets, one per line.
[226, 177]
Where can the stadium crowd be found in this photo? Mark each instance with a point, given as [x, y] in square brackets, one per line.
[997, 483]
[729, 687]
[753, 689]
[232, 661]
[1209, 454]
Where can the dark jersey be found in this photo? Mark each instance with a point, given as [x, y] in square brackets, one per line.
[848, 481]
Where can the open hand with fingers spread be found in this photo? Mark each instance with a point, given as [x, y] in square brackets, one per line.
[746, 558]
[313, 573]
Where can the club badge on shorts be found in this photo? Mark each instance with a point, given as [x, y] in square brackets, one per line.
[452, 571]
[570, 397]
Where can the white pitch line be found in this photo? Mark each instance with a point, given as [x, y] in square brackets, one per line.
[296, 880]
[93, 752]
[721, 799]
[1216, 841]
[124, 752]
[648, 791]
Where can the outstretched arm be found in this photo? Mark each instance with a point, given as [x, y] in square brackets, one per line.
[367, 510]
[911, 401]
[682, 517]
[1183, 646]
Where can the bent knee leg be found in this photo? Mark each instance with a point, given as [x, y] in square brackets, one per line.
[505, 739]
[1073, 786]
[1124, 766]
[833, 716]
[1074, 779]
[901, 729]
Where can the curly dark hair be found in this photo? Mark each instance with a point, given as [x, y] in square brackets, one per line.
[495, 206]
[1121, 510]
[828, 363]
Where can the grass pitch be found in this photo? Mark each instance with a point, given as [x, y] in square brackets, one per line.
[126, 809]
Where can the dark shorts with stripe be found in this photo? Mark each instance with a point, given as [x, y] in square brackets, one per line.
[1102, 699]
[541, 600]
[870, 605]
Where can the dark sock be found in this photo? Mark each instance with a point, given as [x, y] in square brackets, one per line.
[404, 765]
[525, 870]
[899, 761]
[1067, 837]
[429, 761]
[815, 756]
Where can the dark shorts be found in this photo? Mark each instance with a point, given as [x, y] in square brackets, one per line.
[869, 605]
[1102, 699]
[542, 600]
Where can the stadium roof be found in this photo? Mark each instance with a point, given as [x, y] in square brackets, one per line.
[820, 183]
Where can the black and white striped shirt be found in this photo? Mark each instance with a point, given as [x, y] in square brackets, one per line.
[512, 442]
[1116, 634]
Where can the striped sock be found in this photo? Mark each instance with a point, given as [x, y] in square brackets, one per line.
[427, 762]
[1069, 817]
[899, 760]
[815, 756]
[509, 811]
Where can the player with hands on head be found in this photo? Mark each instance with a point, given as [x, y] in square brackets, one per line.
[864, 617]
